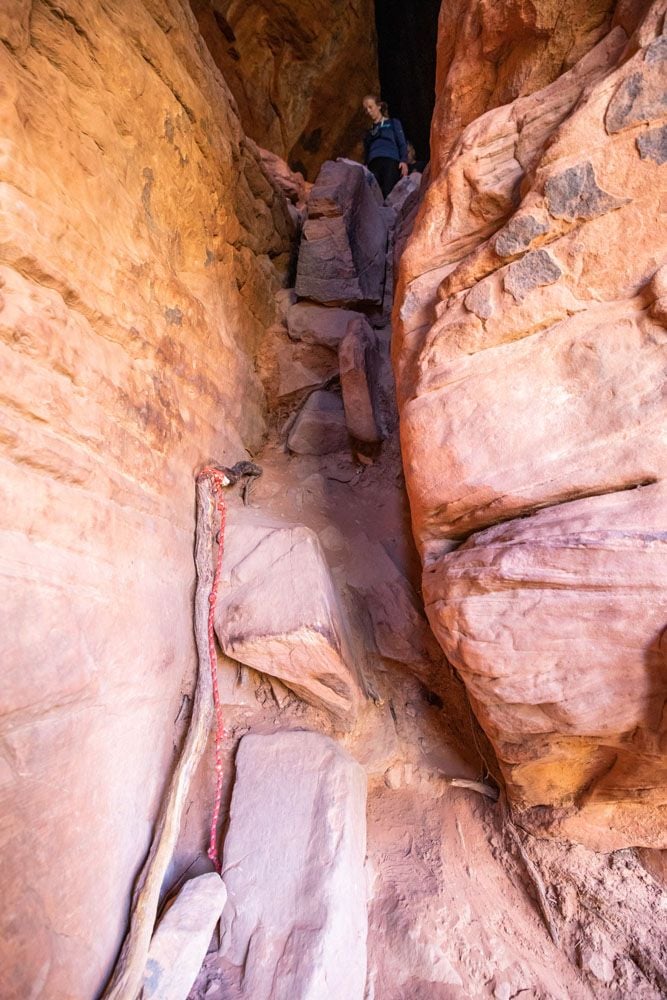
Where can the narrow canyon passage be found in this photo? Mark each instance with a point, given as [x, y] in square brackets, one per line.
[440, 622]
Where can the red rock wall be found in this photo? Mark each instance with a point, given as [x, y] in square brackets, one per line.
[138, 238]
[298, 71]
[529, 349]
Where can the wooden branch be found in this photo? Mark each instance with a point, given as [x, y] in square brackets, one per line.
[475, 786]
[127, 976]
[533, 874]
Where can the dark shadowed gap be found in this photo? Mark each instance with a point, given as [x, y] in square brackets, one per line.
[407, 31]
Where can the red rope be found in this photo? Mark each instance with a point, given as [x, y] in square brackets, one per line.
[218, 481]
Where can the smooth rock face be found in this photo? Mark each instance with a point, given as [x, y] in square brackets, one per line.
[319, 324]
[529, 349]
[278, 611]
[293, 864]
[344, 244]
[557, 623]
[138, 238]
[359, 363]
[320, 427]
[283, 63]
[181, 940]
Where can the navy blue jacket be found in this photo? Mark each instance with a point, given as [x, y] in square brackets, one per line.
[386, 139]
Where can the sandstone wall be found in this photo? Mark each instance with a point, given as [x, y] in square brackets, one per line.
[138, 244]
[298, 71]
[530, 349]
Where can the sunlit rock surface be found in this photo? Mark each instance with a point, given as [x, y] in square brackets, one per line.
[298, 72]
[137, 235]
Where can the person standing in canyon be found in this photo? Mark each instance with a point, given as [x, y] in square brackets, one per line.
[385, 148]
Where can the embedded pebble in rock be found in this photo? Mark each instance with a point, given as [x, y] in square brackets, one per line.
[180, 942]
[344, 242]
[278, 611]
[295, 922]
[575, 194]
[359, 363]
[532, 271]
[320, 427]
[315, 324]
[652, 145]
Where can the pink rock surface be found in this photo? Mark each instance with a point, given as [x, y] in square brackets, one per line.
[557, 623]
[295, 922]
[180, 942]
[136, 237]
[530, 349]
[278, 611]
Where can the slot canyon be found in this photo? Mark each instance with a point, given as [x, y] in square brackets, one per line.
[334, 526]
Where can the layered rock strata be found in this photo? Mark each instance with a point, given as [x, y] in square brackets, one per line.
[139, 239]
[530, 356]
[298, 72]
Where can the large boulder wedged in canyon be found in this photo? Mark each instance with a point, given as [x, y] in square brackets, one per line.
[558, 625]
[139, 239]
[278, 611]
[344, 243]
[295, 921]
[529, 350]
[298, 71]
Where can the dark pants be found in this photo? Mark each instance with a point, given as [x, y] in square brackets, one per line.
[386, 172]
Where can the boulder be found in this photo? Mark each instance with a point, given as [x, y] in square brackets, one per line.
[295, 920]
[319, 324]
[557, 625]
[320, 427]
[359, 362]
[278, 611]
[344, 243]
[180, 942]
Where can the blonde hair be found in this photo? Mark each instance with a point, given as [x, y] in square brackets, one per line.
[382, 105]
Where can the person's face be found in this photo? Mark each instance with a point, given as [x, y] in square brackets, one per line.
[372, 110]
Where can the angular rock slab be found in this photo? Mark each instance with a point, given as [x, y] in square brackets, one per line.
[180, 943]
[320, 427]
[359, 363]
[343, 248]
[558, 625]
[294, 868]
[278, 611]
[321, 325]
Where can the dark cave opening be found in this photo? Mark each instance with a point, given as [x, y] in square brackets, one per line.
[407, 35]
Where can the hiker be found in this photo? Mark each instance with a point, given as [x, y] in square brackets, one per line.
[385, 149]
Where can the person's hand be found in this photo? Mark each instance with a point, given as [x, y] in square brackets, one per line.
[404, 169]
